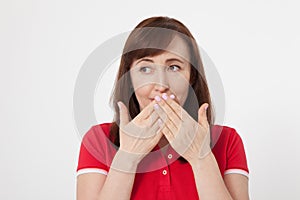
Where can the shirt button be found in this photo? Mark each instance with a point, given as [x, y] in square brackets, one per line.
[164, 172]
[170, 156]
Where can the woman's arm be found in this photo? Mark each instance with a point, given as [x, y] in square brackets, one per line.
[116, 185]
[120, 179]
[191, 140]
[210, 183]
[237, 185]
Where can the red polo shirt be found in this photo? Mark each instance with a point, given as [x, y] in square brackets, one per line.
[162, 176]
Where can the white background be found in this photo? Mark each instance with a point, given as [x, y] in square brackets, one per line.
[254, 45]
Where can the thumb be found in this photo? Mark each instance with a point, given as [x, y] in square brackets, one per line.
[124, 115]
[202, 115]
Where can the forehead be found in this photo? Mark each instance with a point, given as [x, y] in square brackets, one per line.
[179, 47]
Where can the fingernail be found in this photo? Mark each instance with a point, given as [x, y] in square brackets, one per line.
[159, 123]
[172, 96]
[157, 98]
[164, 96]
[119, 105]
[206, 106]
[156, 106]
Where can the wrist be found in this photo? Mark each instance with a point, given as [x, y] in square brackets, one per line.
[197, 161]
[125, 161]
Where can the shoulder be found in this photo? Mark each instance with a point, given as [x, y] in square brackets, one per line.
[97, 129]
[97, 135]
[96, 150]
[228, 148]
[225, 141]
[224, 134]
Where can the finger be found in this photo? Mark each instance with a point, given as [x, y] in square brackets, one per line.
[159, 111]
[202, 115]
[157, 130]
[173, 103]
[156, 127]
[146, 112]
[157, 137]
[180, 111]
[166, 120]
[124, 115]
[172, 115]
[168, 134]
[151, 120]
[142, 132]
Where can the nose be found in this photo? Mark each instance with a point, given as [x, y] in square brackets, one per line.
[162, 83]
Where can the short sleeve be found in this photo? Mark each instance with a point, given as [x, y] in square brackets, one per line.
[95, 152]
[236, 156]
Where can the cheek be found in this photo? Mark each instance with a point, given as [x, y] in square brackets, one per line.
[181, 91]
[180, 88]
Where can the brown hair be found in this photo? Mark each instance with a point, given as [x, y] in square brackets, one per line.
[144, 35]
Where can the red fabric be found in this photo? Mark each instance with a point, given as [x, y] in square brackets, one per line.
[163, 176]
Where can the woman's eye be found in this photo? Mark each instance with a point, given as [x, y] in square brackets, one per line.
[174, 68]
[145, 70]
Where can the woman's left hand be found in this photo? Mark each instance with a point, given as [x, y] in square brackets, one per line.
[189, 138]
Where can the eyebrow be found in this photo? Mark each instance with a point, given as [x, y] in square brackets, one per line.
[168, 60]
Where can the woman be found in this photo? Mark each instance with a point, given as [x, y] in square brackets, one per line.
[163, 143]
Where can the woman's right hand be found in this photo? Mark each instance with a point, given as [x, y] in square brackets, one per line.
[138, 136]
